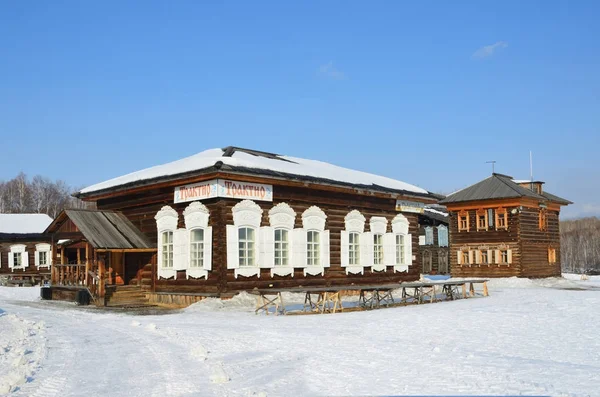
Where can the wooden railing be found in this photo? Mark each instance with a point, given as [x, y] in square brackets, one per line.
[72, 274]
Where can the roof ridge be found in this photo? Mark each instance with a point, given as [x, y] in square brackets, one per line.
[498, 176]
[516, 188]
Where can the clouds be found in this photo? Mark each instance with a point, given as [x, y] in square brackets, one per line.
[331, 72]
[489, 50]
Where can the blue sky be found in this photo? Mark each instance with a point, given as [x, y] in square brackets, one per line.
[425, 92]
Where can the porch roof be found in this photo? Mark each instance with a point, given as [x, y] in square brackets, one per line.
[104, 229]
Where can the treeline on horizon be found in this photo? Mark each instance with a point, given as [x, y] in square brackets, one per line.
[38, 195]
[580, 238]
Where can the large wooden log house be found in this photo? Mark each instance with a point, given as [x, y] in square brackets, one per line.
[24, 250]
[500, 227]
[233, 219]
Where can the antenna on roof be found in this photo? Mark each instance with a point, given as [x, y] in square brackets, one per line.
[493, 162]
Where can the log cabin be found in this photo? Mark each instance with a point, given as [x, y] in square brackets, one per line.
[433, 240]
[501, 227]
[25, 257]
[234, 219]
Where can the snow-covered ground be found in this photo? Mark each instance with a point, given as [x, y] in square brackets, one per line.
[530, 337]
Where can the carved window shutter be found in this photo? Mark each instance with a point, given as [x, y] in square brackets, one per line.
[267, 247]
[233, 261]
[325, 249]
[408, 244]
[459, 257]
[299, 248]
[345, 242]
[389, 249]
[207, 249]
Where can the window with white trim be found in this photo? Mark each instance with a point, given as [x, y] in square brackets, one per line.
[167, 248]
[197, 248]
[194, 243]
[377, 249]
[18, 258]
[282, 247]
[247, 244]
[354, 249]
[42, 255]
[277, 244]
[311, 243]
[400, 248]
[166, 224]
[249, 247]
[401, 240]
[313, 239]
[356, 244]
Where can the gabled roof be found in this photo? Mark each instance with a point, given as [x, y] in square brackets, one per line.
[104, 229]
[437, 212]
[498, 186]
[23, 223]
[241, 160]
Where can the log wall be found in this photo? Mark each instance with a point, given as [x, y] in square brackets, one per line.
[535, 244]
[30, 270]
[474, 239]
[140, 209]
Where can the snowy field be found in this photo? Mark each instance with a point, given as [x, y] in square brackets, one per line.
[536, 337]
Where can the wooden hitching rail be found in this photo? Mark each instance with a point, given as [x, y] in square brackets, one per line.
[328, 299]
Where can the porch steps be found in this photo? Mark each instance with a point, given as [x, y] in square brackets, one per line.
[144, 277]
[126, 296]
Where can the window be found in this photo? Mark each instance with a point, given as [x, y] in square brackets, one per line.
[356, 245]
[463, 221]
[250, 247]
[312, 248]
[482, 222]
[377, 249]
[400, 249]
[490, 217]
[443, 262]
[483, 254]
[428, 235]
[465, 257]
[167, 249]
[503, 256]
[17, 259]
[170, 258]
[197, 248]
[354, 249]
[193, 245]
[501, 218]
[427, 259]
[43, 258]
[400, 243]
[442, 236]
[281, 247]
[543, 219]
[551, 256]
[246, 243]
[311, 243]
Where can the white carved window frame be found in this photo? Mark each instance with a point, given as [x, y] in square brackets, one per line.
[246, 214]
[195, 217]
[43, 247]
[354, 222]
[378, 226]
[166, 221]
[20, 249]
[400, 226]
[313, 220]
[281, 217]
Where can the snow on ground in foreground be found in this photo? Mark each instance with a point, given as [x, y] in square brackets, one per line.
[530, 337]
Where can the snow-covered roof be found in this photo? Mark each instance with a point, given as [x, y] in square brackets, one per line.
[434, 211]
[24, 223]
[250, 159]
[525, 181]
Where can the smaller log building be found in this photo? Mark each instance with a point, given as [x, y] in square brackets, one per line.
[433, 240]
[500, 227]
[25, 252]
